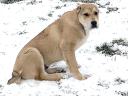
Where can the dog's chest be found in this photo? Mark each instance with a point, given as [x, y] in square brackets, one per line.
[82, 40]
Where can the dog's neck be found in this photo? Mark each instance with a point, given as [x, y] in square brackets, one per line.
[86, 30]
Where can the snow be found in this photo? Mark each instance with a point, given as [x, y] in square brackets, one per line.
[107, 76]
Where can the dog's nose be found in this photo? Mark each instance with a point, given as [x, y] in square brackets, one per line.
[94, 24]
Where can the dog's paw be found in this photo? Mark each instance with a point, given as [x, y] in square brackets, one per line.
[80, 77]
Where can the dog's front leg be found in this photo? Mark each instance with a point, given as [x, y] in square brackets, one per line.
[69, 56]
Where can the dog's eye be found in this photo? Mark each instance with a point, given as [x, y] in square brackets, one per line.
[86, 14]
[96, 13]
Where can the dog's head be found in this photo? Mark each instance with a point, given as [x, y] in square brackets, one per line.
[88, 15]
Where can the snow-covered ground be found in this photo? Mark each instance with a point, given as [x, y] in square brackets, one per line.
[108, 76]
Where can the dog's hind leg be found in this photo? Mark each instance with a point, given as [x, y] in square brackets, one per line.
[39, 63]
[30, 65]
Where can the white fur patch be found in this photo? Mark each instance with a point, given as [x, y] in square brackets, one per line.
[87, 28]
[83, 40]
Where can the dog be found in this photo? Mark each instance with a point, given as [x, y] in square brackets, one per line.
[56, 42]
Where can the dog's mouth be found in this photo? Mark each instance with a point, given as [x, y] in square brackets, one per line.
[94, 26]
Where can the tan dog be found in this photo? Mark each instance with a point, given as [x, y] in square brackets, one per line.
[57, 42]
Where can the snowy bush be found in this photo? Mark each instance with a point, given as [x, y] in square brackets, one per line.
[84, 1]
[116, 47]
[107, 49]
[9, 1]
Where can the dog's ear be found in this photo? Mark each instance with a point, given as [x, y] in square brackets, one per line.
[78, 9]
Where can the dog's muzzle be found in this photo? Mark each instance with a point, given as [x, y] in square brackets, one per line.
[93, 24]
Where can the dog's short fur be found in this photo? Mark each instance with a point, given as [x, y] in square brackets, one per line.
[57, 42]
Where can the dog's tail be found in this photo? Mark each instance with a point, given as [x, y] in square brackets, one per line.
[16, 78]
